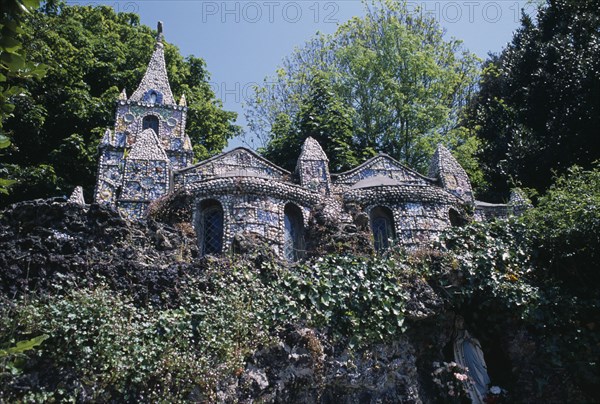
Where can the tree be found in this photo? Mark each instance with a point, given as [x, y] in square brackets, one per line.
[321, 116]
[92, 53]
[13, 64]
[566, 227]
[402, 83]
[538, 109]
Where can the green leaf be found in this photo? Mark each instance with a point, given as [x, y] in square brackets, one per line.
[4, 142]
[8, 44]
[12, 61]
[23, 346]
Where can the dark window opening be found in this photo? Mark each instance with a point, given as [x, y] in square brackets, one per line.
[382, 225]
[293, 241]
[210, 228]
[150, 121]
[456, 220]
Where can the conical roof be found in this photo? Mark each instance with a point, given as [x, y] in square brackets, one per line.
[312, 150]
[155, 77]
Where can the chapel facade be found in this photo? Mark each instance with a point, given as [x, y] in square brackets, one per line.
[148, 156]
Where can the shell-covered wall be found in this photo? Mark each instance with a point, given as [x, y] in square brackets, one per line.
[254, 192]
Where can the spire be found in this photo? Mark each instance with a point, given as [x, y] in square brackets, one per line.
[312, 167]
[123, 95]
[107, 139]
[187, 143]
[159, 29]
[155, 87]
[182, 101]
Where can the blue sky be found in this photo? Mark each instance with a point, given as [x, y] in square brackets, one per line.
[242, 42]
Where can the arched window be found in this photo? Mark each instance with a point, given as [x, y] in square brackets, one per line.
[382, 224]
[150, 121]
[210, 227]
[293, 238]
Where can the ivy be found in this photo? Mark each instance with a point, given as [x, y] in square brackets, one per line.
[358, 299]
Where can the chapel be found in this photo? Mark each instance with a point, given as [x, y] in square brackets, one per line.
[147, 156]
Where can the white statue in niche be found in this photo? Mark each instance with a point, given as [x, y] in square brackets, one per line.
[468, 353]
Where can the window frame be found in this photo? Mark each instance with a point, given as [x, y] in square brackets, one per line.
[382, 213]
[208, 209]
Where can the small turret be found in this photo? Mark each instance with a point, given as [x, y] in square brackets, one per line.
[451, 175]
[313, 167]
[518, 201]
[77, 196]
[107, 139]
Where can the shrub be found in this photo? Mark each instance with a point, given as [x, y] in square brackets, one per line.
[102, 347]
[566, 227]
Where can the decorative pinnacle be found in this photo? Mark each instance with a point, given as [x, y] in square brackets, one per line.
[182, 101]
[159, 28]
[123, 95]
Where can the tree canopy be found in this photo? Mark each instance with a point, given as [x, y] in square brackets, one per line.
[538, 108]
[322, 116]
[13, 64]
[401, 83]
[91, 53]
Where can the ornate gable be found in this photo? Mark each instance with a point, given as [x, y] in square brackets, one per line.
[380, 170]
[240, 162]
[147, 147]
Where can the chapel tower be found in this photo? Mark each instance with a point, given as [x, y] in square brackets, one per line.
[131, 175]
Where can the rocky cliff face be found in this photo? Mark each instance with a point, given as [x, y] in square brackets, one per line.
[44, 243]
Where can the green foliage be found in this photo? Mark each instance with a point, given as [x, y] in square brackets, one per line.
[109, 348]
[496, 274]
[358, 299]
[12, 358]
[538, 110]
[105, 346]
[400, 82]
[566, 227]
[91, 54]
[13, 64]
[324, 117]
[230, 314]
[23, 346]
[487, 269]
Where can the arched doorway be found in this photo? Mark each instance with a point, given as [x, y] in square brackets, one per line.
[210, 227]
[150, 121]
[293, 233]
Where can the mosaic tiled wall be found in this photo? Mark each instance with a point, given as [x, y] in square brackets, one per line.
[254, 193]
